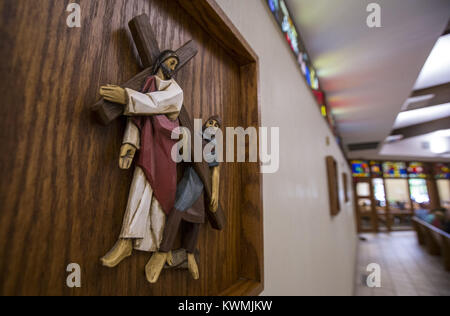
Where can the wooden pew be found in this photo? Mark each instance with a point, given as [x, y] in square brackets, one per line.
[436, 240]
[420, 231]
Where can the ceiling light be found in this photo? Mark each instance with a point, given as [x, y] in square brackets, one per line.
[427, 114]
[436, 70]
[442, 133]
[439, 145]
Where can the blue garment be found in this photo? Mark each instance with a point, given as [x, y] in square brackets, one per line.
[188, 190]
[429, 218]
[422, 214]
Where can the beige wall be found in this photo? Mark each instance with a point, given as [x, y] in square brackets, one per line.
[306, 251]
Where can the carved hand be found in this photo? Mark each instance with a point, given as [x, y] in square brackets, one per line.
[127, 153]
[214, 203]
[114, 94]
[213, 206]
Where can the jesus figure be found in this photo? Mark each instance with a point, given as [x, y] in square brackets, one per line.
[152, 116]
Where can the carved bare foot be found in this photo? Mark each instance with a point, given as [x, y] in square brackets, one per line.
[193, 267]
[170, 259]
[121, 250]
[155, 265]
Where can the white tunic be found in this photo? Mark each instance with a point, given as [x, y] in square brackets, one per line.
[144, 218]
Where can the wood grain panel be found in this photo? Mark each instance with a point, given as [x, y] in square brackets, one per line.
[333, 188]
[61, 191]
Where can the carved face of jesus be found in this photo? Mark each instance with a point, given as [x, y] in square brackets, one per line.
[167, 68]
[171, 63]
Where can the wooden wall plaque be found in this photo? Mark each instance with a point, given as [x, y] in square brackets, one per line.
[345, 185]
[333, 186]
[63, 196]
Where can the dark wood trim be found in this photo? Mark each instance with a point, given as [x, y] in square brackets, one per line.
[411, 205]
[345, 184]
[374, 209]
[214, 21]
[441, 95]
[433, 192]
[371, 197]
[389, 219]
[423, 128]
[355, 208]
[333, 186]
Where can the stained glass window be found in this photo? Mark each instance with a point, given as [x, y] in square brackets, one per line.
[281, 14]
[394, 169]
[274, 5]
[417, 170]
[314, 82]
[442, 171]
[360, 169]
[283, 18]
[376, 169]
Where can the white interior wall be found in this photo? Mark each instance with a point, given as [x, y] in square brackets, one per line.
[307, 252]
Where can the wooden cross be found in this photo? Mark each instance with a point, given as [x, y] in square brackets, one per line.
[148, 50]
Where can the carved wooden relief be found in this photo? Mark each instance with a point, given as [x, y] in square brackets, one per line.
[333, 186]
[345, 185]
[66, 186]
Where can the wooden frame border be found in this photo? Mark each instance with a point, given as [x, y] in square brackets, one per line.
[345, 185]
[213, 20]
[373, 215]
[333, 186]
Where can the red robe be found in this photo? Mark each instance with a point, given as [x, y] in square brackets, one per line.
[155, 154]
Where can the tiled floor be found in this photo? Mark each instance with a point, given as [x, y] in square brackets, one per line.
[406, 268]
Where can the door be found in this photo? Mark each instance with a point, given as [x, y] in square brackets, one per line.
[399, 201]
[365, 210]
[383, 217]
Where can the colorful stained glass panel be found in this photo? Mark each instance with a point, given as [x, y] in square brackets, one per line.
[442, 171]
[394, 169]
[287, 26]
[360, 169]
[417, 170]
[376, 169]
